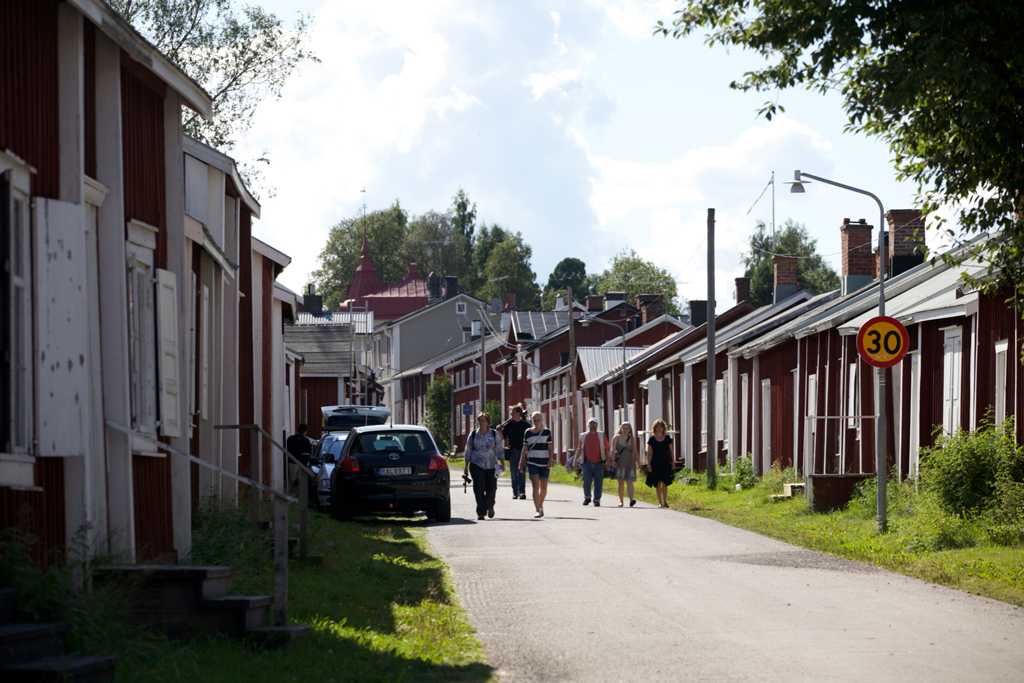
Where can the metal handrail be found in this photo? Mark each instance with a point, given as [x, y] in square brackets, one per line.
[281, 501]
[199, 461]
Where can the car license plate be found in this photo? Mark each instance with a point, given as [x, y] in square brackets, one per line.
[393, 471]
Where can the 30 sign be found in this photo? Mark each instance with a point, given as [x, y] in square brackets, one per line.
[882, 341]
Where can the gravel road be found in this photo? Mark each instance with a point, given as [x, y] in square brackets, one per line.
[646, 594]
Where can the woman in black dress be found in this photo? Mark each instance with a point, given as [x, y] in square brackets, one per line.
[659, 461]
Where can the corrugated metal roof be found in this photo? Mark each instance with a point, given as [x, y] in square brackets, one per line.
[837, 312]
[727, 334]
[363, 320]
[326, 349]
[450, 356]
[533, 325]
[598, 360]
[936, 294]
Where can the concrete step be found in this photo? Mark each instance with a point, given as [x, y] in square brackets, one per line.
[8, 605]
[73, 668]
[278, 636]
[793, 489]
[21, 643]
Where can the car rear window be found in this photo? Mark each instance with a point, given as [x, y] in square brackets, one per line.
[346, 418]
[402, 441]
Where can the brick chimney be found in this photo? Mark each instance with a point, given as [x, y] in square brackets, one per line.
[651, 306]
[785, 277]
[742, 289]
[906, 239]
[698, 312]
[414, 270]
[858, 259]
[595, 303]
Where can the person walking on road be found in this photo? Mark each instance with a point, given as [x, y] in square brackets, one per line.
[592, 458]
[538, 456]
[659, 459]
[484, 455]
[624, 461]
[513, 430]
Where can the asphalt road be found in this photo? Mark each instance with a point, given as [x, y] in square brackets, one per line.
[647, 594]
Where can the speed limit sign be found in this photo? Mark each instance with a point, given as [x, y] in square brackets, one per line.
[882, 341]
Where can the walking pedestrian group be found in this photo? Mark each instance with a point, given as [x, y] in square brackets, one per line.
[527, 449]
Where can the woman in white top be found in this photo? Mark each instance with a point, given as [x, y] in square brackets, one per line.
[538, 456]
[624, 460]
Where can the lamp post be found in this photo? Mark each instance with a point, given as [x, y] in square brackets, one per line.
[881, 468]
[592, 319]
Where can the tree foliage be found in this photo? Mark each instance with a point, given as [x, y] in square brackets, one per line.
[941, 81]
[508, 270]
[634, 275]
[488, 260]
[437, 407]
[570, 272]
[813, 273]
[239, 56]
[386, 230]
[437, 245]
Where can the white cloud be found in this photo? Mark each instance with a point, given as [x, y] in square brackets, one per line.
[543, 83]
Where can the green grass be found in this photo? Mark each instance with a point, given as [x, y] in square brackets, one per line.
[381, 608]
[922, 542]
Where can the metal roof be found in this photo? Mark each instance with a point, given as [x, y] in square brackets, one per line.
[728, 333]
[534, 325]
[450, 356]
[595, 361]
[940, 296]
[363, 320]
[326, 349]
[664, 318]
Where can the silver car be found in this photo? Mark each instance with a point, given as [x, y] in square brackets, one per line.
[322, 462]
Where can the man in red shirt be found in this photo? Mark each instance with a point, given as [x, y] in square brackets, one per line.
[594, 449]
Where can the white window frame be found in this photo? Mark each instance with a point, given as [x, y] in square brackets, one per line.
[141, 276]
[952, 378]
[21, 416]
[852, 399]
[1001, 357]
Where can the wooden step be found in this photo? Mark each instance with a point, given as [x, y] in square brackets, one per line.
[8, 605]
[793, 489]
[73, 668]
[213, 582]
[235, 615]
[21, 643]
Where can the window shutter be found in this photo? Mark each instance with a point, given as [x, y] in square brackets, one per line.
[167, 347]
[62, 329]
[204, 350]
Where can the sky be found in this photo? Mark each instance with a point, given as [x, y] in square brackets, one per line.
[564, 120]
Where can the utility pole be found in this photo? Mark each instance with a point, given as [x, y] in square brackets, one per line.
[572, 369]
[712, 442]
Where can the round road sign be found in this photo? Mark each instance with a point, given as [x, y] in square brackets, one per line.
[882, 341]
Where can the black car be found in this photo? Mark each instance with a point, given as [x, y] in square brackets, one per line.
[393, 468]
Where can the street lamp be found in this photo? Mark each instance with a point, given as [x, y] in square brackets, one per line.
[586, 320]
[881, 469]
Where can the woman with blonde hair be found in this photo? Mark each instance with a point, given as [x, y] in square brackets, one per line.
[624, 460]
[538, 455]
[659, 461]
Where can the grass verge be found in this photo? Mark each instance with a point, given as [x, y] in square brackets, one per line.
[381, 608]
[922, 542]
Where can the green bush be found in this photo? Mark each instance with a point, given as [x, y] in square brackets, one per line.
[965, 469]
[438, 408]
[774, 478]
[493, 408]
[745, 475]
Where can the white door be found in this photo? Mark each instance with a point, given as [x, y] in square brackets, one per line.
[952, 351]
[766, 425]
